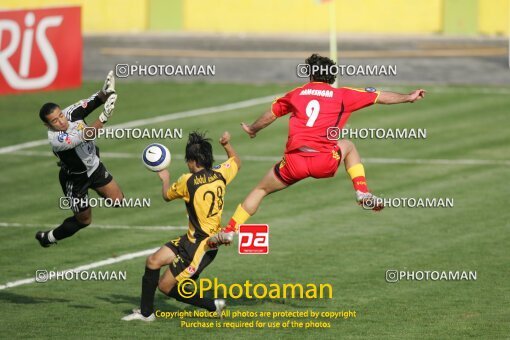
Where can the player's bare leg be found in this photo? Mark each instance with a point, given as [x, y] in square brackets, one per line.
[350, 155]
[162, 257]
[68, 228]
[266, 186]
[111, 190]
[168, 286]
[167, 282]
[269, 184]
[355, 169]
[154, 262]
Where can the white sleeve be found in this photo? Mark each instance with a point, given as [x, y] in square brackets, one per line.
[61, 141]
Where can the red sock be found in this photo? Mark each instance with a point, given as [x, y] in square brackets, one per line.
[360, 183]
[231, 226]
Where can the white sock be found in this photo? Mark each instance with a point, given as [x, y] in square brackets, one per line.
[51, 238]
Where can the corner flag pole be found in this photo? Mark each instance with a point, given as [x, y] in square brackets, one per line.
[332, 35]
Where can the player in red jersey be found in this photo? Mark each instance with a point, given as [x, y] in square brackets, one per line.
[317, 112]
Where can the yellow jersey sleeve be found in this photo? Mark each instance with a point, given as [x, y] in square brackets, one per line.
[227, 169]
[179, 189]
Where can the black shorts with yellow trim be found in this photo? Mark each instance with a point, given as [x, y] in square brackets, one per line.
[190, 258]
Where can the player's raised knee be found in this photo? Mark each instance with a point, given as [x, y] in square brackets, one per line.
[152, 262]
[346, 145]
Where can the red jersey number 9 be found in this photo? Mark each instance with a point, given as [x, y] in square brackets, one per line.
[312, 111]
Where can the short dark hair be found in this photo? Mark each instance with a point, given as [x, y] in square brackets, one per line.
[199, 149]
[46, 110]
[321, 71]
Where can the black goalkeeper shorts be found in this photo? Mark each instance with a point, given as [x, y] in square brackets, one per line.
[76, 187]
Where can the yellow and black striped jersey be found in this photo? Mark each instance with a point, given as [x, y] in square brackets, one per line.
[204, 193]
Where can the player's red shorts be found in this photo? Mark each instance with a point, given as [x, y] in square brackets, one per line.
[298, 165]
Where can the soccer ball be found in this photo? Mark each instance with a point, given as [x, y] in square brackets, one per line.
[156, 157]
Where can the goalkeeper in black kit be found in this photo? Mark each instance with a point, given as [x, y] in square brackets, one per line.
[71, 140]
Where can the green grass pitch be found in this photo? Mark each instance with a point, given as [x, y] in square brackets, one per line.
[318, 233]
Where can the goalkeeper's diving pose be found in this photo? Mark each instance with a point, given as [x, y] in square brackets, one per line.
[71, 140]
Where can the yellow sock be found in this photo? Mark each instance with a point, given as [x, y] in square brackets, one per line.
[356, 171]
[240, 216]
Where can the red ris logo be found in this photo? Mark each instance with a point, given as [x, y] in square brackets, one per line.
[40, 49]
[253, 239]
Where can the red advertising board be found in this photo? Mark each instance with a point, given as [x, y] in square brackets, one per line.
[253, 239]
[40, 49]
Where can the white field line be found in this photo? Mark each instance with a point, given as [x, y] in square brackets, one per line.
[158, 119]
[92, 265]
[95, 226]
[276, 159]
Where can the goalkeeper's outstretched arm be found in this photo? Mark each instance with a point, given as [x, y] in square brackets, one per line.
[103, 117]
[83, 108]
